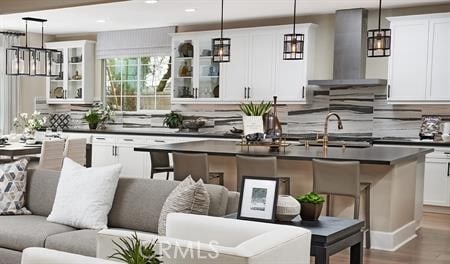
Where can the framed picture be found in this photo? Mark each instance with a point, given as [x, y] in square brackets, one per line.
[258, 199]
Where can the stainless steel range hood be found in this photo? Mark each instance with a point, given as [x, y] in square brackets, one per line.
[350, 51]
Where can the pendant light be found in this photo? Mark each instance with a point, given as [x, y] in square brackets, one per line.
[293, 43]
[379, 40]
[24, 60]
[221, 46]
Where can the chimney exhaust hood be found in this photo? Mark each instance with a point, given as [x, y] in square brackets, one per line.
[350, 51]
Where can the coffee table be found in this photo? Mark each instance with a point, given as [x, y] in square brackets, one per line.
[331, 235]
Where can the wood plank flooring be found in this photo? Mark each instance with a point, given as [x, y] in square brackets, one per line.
[432, 246]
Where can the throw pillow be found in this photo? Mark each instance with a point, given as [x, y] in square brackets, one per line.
[84, 196]
[188, 197]
[13, 183]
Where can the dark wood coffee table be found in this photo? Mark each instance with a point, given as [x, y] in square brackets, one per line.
[331, 235]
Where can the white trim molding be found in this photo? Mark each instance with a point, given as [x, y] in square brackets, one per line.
[391, 241]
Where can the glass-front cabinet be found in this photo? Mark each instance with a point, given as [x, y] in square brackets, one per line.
[75, 84]
[196, 76]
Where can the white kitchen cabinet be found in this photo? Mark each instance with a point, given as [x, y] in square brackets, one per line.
[440, 59]
[419, 65]
[76, 83]
[408, 62]
[436, 184]
[256, 70]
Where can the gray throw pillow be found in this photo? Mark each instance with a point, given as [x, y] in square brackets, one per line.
[13, 182]
[188, 197]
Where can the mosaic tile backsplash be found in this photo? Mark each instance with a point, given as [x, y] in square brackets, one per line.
[364, 110]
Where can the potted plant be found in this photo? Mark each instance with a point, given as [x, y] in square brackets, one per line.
[253, 118]
[311, 206]
[98, 115]
[173, 120]
[29, 125]
[132, 250]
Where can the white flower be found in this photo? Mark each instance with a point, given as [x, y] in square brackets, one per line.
[15, 119]
[24, 115]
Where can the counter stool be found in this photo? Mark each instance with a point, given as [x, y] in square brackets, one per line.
[195, 165]
[261, 166]
[342, 178]
[160, 163]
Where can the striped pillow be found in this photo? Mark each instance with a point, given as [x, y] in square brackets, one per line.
[188, 197]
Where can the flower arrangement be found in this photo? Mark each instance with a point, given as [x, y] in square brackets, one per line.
[29, 124]
[99, 114]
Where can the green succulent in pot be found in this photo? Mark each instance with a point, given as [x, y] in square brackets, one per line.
[132, 250]
[173, 120]
[311, 206]
[252, 109]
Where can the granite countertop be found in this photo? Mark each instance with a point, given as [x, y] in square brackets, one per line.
[371, 155]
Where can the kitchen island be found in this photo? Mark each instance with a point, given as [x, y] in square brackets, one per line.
[396, 176]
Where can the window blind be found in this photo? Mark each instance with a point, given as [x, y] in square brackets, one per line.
[134, 43]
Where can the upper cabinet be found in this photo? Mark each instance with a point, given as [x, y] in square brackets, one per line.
[255, 72]
[419, 66]
[75, 85]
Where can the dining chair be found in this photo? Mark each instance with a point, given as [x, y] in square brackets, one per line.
[197, 166]
[51, 155]
[160, 163]
[342, 178]
[75, 149]
[262, 167]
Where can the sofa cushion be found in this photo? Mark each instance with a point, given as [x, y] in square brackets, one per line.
[188, 197]
[41, 191]
[84, 196]
[82, 242]
[18, 232]
[13, 181]
[8, 256]
[218, 197]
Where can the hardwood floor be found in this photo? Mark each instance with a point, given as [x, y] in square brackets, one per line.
[432, 246]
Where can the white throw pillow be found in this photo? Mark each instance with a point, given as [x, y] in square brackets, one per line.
[84, 196]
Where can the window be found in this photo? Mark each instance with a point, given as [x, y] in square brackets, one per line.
[134, 84]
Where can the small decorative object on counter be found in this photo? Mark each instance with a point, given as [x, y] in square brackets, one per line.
[99, 114]
[252, 119]
[173, 120]
[132, 250]
[77, 76]
[185, 70]
[430, 127]
[311, 206]
[272, 125]
[287, 208]
[194, 125]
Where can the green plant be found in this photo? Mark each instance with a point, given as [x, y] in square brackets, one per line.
[311, 197]
[99, 114]
[134, 251]
[252, 109]
[173, 120]
[93, 117]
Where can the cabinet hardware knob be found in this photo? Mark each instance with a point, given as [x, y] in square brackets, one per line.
[128, 139]
[303, 92]
[448, 169]
[248, 92]
[389, 91]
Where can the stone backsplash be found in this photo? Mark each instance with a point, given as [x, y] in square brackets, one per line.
[364, 110]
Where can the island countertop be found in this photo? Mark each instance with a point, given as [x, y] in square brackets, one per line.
[371, 155]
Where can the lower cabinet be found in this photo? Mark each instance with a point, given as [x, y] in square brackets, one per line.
[437, 182]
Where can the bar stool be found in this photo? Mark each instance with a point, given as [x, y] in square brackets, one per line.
[342, 178]
[160, 163]
[261, 166]
[75, 150]
[195, 165]
[52, 155]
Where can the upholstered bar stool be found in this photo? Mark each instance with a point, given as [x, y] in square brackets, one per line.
[197, 166]
[342, 178]
[160, 163]
[260, 166]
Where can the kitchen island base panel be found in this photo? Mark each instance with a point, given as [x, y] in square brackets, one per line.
[394, 217]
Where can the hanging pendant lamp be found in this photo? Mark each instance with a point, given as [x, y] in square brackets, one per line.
[221, 46]
[379, 40]
[24, 60]
[294, 43]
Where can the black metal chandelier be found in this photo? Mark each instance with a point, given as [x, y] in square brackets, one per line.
[221, 46]
[30, 61]
[379, 40]
[294, 43]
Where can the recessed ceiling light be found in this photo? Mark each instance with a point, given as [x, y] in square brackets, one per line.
[100, 21]
[151, 1]
[190, 10]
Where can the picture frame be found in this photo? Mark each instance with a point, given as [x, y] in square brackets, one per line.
[258, 199]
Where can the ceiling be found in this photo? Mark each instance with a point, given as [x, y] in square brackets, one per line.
[138, 14]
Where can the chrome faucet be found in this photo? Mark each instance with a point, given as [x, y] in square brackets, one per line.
[325, 131]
